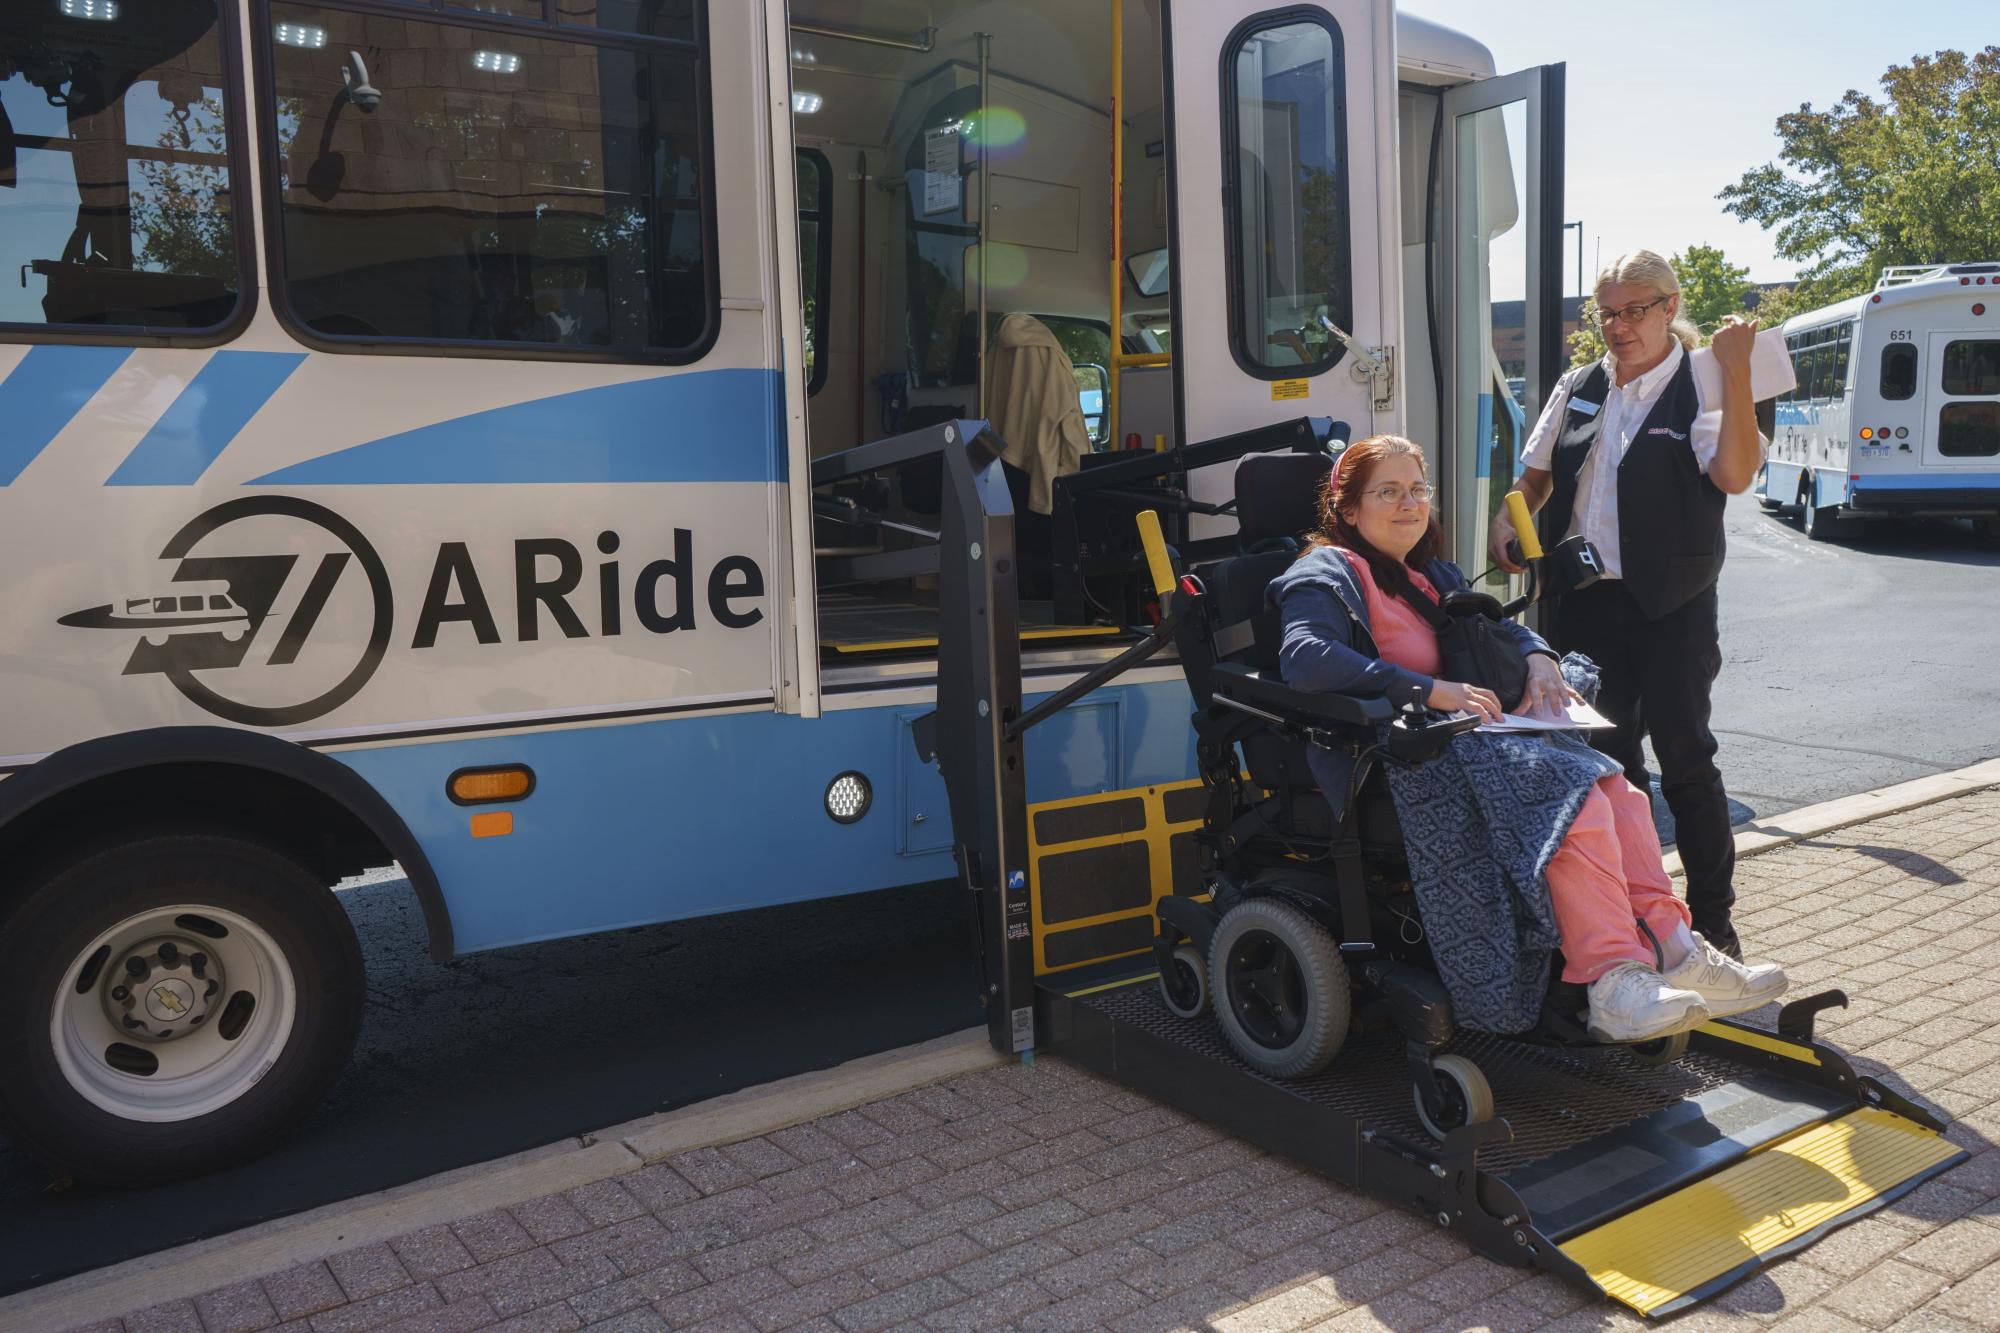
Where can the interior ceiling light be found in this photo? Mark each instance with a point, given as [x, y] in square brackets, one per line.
[801, 56]
[299, 34]
[496, 62]
[102, 10]
[804, 104]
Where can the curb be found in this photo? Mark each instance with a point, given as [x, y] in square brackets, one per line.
[1807, 821]
[270, 1247]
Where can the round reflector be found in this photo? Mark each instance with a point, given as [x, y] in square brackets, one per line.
[848, 797]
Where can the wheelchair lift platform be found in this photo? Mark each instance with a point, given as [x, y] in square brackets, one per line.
[1656, 1184]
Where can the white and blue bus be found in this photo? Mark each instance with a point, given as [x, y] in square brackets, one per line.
[408, 411]
[1897, 408]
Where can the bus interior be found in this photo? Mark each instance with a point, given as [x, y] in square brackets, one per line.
[915, 119]
[912, 122]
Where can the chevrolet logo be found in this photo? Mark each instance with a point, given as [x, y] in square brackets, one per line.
[167, 1000]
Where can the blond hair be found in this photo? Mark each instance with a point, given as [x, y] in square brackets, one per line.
[1644, 268]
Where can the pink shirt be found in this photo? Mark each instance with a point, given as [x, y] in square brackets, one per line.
[1403, 637]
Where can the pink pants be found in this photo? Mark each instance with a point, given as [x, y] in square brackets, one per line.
[1606, 873]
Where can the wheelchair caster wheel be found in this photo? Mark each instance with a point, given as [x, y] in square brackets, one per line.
[1468, 1097]
[1184, 983]
[1661, 1050]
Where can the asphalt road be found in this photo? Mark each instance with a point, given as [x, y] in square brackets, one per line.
[1846, 668]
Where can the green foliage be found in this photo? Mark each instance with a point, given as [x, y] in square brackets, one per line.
[1711, 287]
[1911, 179]
[1776, 306]
[180, 205]
[1587, 343]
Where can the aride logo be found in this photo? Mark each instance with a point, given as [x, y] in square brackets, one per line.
[242, 624]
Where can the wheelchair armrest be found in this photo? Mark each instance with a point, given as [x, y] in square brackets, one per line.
[1236, 681]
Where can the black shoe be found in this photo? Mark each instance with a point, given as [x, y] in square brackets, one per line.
[1726, 943]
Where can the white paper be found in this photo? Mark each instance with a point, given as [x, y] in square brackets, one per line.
[1770, 370]
[1580, 717]
[942, 181]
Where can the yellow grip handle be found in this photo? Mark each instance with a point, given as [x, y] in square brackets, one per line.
[1156, 552]
[1524, 525]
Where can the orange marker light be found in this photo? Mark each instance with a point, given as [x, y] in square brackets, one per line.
[493, 824]
[478, 786]
[1867, 434]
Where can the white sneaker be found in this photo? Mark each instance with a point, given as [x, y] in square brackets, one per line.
[1632, 1002]
[1725, 985]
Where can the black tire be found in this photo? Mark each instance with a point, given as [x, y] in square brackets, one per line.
[1468, 1096]
[1660, 1050]
[1279, 988]
[1184, 983]
[311, 976]
[1819, 523]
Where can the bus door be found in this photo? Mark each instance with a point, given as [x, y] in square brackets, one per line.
[1496, 261]
[1282, 183]
[1963, 408]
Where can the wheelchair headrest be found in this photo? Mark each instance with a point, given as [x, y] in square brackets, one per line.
[1277, 495]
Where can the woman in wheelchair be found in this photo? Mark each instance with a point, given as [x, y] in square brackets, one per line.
[1348, 627]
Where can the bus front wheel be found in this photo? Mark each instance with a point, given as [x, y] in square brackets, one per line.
[187, 998]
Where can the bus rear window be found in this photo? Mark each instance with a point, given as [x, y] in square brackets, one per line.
[1972, 366]
[490, 187]
[1899, 372]
[1284, 137]
[1969, 430]
[116, 202]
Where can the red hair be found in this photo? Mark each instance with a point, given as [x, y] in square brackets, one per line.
[1345, 486]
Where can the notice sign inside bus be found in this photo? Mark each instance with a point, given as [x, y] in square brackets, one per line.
[1281, 390]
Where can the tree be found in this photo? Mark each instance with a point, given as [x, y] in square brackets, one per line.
[1587, 343]
[1911, 179]
[180, 203]
[1711, 287]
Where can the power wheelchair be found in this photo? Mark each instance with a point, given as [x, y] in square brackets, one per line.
[1311, 927]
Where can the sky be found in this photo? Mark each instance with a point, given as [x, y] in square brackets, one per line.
[1670, 102]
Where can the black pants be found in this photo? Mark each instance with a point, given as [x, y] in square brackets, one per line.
[1657, 675]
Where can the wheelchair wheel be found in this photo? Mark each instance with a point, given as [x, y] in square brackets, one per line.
[1184, 983]
[1468, 1097]
[1661, 1050]
[1280, 988]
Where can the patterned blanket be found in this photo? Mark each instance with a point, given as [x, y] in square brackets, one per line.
[1480, 823]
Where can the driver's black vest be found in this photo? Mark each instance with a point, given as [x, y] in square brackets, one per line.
[1669, 512]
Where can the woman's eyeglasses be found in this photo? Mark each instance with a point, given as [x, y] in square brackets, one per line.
[1630, 314]
[1392, 494]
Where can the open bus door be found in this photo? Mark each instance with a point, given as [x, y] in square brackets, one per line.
[1282, 176]
[1496, 251]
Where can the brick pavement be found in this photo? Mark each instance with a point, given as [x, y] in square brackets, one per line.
[1043, 1198]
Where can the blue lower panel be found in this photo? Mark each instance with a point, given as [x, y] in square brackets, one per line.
[682, 817]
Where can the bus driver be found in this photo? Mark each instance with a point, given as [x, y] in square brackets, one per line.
[1628, 454]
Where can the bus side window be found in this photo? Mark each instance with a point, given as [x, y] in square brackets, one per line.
[1899, 372]
[815, 257]
[1283, 98]
[1837, 386]
[117, 194]
[529, 191]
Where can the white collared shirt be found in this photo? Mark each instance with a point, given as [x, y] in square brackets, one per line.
[1624, 411]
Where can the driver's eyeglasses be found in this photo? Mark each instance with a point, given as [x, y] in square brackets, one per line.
[1631, 314]
[1392, 494]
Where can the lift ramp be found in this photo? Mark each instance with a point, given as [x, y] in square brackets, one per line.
[1655, 1185]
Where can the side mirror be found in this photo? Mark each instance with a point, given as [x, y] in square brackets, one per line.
[1148, 271]
[1093, 382]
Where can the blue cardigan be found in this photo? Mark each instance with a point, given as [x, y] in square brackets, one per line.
[1329, 645]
